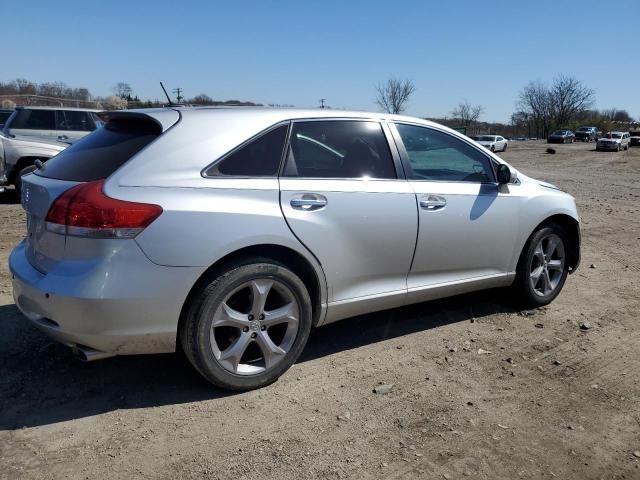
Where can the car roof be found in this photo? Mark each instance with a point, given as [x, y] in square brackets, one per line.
[273, 115]
[616, 132]
[29, 107]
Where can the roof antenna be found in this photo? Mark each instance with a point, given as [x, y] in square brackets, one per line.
[166, 94]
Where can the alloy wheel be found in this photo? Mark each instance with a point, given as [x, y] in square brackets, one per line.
[255, 326]
[547, 265]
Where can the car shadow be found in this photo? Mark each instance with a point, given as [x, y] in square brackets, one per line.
[43, 383]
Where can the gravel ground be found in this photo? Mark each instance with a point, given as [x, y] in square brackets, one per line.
[480, 389]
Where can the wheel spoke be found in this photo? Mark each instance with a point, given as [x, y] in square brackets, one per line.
[554, 265]
[539, 252]
[232, 354]
[535, 275]
[228, 317]
[259, 291]
[270, 351]
[552, 244]
[546, 282]
[286, 314]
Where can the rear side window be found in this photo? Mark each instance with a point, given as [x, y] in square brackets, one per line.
[74, 120]
[103, 152]
[339, 149]
[260, 157]
[34, 120]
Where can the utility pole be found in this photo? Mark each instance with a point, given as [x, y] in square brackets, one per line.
[322, 100]
[178, 92]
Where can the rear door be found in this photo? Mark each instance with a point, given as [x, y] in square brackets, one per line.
[344, 197]
[467, 225]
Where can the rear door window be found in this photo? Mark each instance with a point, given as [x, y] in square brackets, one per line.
[339, 149]
[33, 120]
[100, 154]
[74, 120]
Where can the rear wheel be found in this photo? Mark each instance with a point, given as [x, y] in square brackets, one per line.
[248, 326]
[22, 173]
[543, 267]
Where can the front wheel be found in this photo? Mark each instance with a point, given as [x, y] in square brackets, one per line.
[543, 267]
[248, 326]
[505, 148]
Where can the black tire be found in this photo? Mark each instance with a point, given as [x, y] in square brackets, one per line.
[195, 330]
[21, 173]
[493, 148]
[525, 292]
[505, 148]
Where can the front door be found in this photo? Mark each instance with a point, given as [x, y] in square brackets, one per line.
[342, 198]
[467, 226]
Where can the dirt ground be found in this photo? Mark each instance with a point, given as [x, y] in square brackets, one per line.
[551, 400]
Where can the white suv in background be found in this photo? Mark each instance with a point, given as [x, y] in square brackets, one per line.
[64, 124]
[615, 141]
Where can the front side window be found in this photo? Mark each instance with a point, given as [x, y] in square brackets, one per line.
[34, 120]
[74, 120]
[435, 155]
[260, 157]
[339, 149]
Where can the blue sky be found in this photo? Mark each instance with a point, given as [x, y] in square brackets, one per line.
[296, 52]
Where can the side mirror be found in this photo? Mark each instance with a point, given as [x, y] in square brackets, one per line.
[504, 174]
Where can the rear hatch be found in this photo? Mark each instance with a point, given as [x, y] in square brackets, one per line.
[93, 158]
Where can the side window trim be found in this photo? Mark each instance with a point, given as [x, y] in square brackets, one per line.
[205, 171]
[405, 156]
[388, 136]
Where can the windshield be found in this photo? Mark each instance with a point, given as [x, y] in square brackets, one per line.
[559, 132]
[486, 138]
[584, 129]
[613, 135]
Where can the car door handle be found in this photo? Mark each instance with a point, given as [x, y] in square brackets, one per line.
[309, 201]
[432, 203]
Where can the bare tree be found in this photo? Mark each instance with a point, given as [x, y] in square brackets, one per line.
[569, 97]
[201, 99]
[123, 90]
[394, 95]
[467, 113]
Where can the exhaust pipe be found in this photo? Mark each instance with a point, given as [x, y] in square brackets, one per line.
[86, 354]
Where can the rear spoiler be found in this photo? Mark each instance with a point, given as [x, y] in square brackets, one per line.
[163, 118]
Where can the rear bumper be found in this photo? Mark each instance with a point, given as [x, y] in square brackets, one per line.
[119, 305]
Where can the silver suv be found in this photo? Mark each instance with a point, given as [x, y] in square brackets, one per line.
[232, 232]
[65, 124]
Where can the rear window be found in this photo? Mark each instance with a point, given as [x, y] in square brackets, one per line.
[101, 153]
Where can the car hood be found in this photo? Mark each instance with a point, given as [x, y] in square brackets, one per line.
[616, 140]
[485, 142]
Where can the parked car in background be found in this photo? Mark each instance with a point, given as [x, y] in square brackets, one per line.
[54, 122]
[235, 231]
[19, 154]
[561, 136]
[614, 141]
[634, 138]
[495, 143]
[587, 134]
[4, 114]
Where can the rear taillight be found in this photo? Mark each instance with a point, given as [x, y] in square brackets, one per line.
[85, 211]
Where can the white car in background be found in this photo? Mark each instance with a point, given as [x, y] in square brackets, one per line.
[614, 141]
[495, 143]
